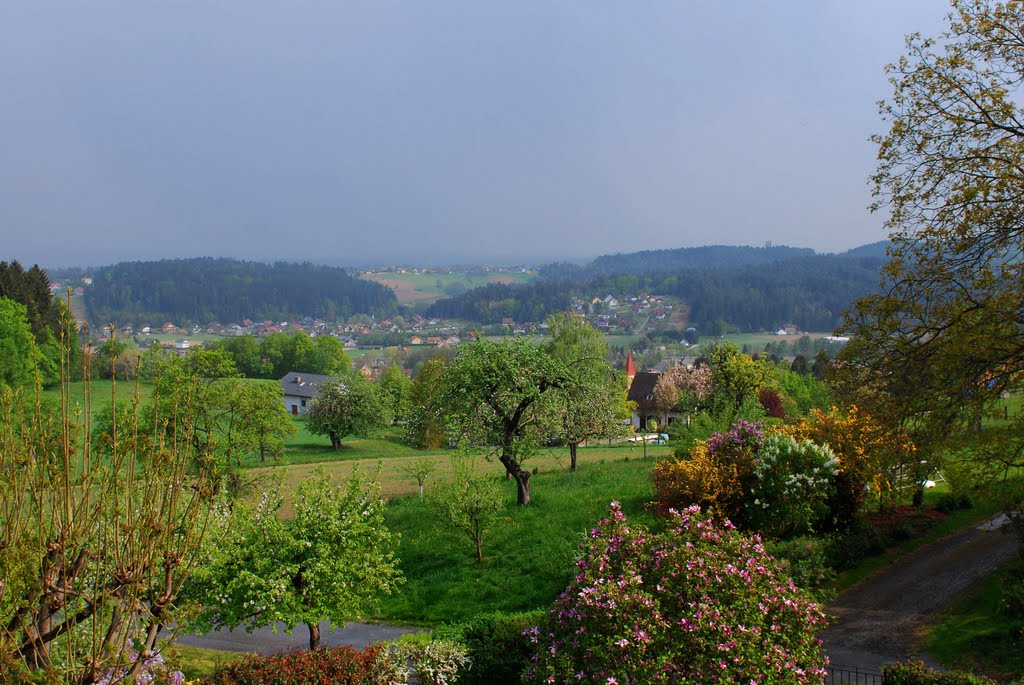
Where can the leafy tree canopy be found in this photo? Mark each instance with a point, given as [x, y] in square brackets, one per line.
[495, 394]
[226, 290]
[331, 562]
[350, 405]
[19, 353]
[937, 349]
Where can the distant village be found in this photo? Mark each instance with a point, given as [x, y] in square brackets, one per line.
[613, 316]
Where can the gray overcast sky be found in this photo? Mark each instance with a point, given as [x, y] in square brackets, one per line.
[362, 132]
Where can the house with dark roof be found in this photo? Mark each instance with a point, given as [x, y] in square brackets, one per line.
[641, 391]
[300, 389]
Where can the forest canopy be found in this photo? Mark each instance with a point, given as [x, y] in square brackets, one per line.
[226, 290]
[811, 291]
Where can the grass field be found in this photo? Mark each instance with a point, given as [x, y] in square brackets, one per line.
[196, 662]
[529, 553]
[304, 452]
[100, 393]
[758, 340]
[423, 289]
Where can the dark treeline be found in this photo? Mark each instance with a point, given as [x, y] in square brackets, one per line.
[31, 287]
[811, 292]
[229, 291]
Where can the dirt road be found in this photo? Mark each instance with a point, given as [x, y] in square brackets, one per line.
[883, 618]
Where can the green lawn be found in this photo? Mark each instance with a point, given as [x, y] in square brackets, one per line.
[529, 554]
[974, 633]
[100, 393]
[392, 460]
[196, 662]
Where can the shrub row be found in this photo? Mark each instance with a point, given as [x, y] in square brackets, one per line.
[333, 666]
[412, 659]
[916, 673]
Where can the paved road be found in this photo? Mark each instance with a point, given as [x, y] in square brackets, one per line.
[266, 641]
[883, 618]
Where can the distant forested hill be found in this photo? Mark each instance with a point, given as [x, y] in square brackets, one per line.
[683, 258]
[226, 290]
[809, 290]
[870, 250]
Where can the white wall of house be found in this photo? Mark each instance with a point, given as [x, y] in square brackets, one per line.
[297, 406]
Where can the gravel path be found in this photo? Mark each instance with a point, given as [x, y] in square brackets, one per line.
[266, 641]
[883, 618]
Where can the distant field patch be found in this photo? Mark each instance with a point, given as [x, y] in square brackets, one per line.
[759, 340]
[426, 288]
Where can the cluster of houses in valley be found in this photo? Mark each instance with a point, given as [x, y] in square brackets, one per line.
[609, 315]
[624, 315]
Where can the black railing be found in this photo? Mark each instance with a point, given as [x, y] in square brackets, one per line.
[851, 675]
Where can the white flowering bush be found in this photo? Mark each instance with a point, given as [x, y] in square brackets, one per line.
[418, 660]
[791, 482]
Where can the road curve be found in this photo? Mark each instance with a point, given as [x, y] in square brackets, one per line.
[883, 618]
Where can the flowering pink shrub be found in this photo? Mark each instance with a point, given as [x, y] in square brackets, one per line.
[699, 603]
[742, 440]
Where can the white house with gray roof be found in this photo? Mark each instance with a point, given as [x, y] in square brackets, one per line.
[300, 389]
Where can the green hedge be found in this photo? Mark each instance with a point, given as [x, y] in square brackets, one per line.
[497, 647]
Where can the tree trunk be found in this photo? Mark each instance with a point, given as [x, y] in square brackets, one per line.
[572, 455]
[522, 478]
[479, 549]
[314, 635]
[522, 487]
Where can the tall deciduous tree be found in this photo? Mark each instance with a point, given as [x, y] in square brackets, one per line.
[19, 354]
[232, 417]
[938, 347]
[735, 376]
[591, 407]
[345, 406]
[493, 395]
[425, 424]
[395, 388]
[331, 562]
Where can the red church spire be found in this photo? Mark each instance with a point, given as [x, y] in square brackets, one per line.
[630, 366]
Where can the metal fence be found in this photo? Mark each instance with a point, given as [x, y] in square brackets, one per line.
[851, 675]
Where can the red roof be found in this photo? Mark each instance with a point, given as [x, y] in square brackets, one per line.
[630, 366]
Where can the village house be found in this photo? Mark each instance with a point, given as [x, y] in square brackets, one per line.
[300, 389]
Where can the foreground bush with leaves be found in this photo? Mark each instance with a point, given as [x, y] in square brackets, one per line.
[413, 659]
[697, 603]
[916, 673]
[496, 644]
[336, 666]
